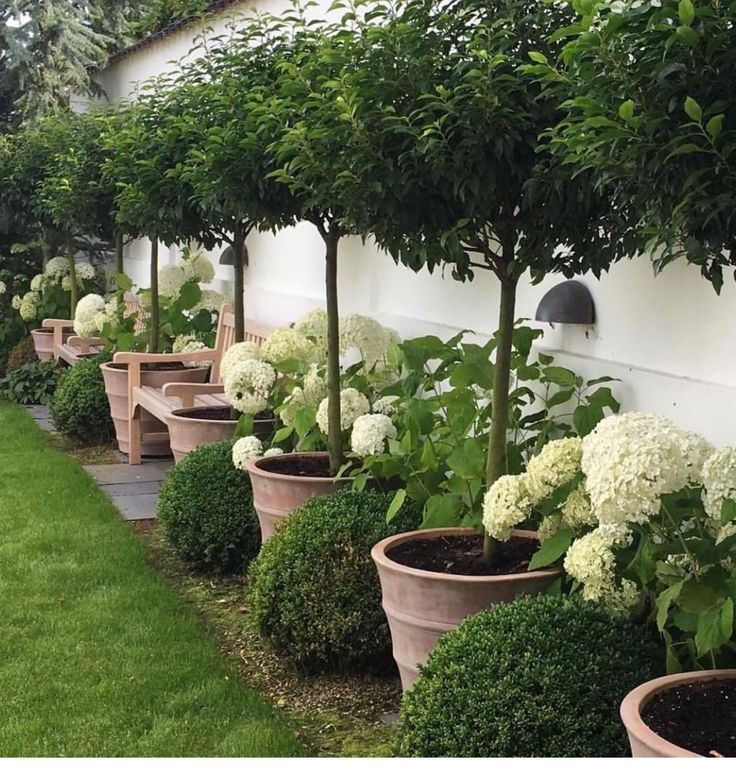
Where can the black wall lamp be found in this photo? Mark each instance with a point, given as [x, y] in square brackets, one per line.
[568, 302]
[228, 256]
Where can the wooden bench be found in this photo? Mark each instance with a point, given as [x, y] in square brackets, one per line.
[161, 402]
[75, 348]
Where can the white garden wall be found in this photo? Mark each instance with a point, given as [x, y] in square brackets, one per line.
[670, 340]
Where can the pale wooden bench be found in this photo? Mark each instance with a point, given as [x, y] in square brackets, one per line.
[76, 347]
[161, 402]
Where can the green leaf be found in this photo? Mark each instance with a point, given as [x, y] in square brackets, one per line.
[558, 375]
[395, 506]
[282, 433]
[664, 600]
[468, 459]
[189, 295]
[715, 125]
[686, 12]
[244, 426]
[552, 549]
[538, 57]
[123, 282]
[688, 36]
[586, 417]
[626, 110]
[728, 511]
[693, 109]
[715, 627]
[441, 510]
[304, 420]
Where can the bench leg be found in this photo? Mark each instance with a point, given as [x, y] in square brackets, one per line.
[134, 450]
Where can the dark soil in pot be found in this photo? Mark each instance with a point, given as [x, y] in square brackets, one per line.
[700, 717]
[158, 366]
[263, 421]
[306, 466]
[463, 554]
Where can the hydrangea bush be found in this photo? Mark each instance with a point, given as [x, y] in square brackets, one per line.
[187, 313]
[298, 396]
[642, 515]
[429, 429]
[49, 294]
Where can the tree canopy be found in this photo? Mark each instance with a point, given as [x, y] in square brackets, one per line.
[652, 111]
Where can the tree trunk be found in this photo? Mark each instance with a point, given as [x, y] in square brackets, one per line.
[497, 441]
[119, 262]
[74, 292]
[154, 329]
[46, 248]
[239, 281]
[334, 439]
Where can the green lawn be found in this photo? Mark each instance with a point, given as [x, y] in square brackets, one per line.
[98, 657]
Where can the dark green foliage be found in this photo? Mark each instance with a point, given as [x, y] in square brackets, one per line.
[206, 511]
[30, 384]
[21, 354]
[314, 589]
[542, 676]
[79, 408]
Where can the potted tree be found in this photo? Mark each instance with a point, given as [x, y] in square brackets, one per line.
[447, 156]
[151, 203]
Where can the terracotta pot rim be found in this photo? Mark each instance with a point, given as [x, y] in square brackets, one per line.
[378, 553]
[45, 330]
[637, 699]
[253, 467]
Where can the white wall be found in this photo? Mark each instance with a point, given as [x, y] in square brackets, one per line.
[671, 340]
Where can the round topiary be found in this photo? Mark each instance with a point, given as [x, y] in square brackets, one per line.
[79, 407]
[314, 591]
[205, 509]
[23, 353]
[540, 677]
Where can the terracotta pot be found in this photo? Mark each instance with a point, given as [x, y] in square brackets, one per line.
[644, 741]
[421, 605]
[189, 428]
[43, 342]
[276, 494]
[116, 387]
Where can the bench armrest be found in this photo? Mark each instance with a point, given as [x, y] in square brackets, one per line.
[140, 358]
[188, 391]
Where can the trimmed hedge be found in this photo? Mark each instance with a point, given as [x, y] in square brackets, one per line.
[79, 407]
[206, 513]
[314, 591]
[540, 677]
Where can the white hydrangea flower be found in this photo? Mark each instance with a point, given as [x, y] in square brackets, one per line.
[245, 350]
[719, 484]
[85, 317]
[591, 560]
[631, 460]
[66, 284]
[16, 302]
[209, 300]
[275, 451]
[57, 267]
[314, 325]
[370, 433]
[315, 387]
[367, 335]
[198, 267]
[28, 308]
[84, 271]
[3, 288]
[246, 449]
[248, 384]
[555, 465]
[505, 505]
[109, 314]
[574, 513]
[170, 281]
[38, 281]
[286, 344]
[352, 404]
[190, 343]
[386, 405]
